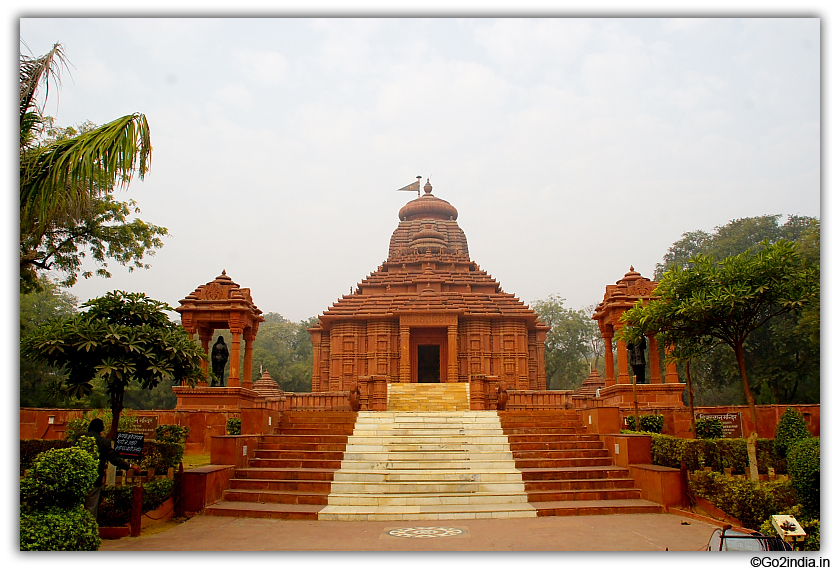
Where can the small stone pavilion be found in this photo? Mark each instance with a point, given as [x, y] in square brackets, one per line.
[429, 314]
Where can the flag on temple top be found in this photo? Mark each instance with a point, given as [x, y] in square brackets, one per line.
[413, 187]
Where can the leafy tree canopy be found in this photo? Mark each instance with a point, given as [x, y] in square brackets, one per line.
[573, 346]
[67, 177]
[119, 338]
[722, 302]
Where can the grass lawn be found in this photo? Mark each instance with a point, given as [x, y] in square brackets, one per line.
[196, 460]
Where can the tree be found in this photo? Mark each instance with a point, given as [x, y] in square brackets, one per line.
[572, 347]
[66, 178]
[723, 302]
[119, 338]
[39, 382]
[784, 355]
[285, 349]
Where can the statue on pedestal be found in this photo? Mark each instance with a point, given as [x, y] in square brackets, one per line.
[219, 358]
[636, 359]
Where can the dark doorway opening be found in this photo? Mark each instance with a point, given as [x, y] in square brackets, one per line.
[428, 363]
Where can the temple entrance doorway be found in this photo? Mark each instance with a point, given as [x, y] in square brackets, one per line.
[428, 355]
[428, 363]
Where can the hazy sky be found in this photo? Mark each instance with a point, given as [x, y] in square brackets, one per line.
[572, 148]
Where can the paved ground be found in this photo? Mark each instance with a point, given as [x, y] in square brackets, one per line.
[644, 532]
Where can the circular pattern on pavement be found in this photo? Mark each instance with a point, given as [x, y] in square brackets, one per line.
[425, 532]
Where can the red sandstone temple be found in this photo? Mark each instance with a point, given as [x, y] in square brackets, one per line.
[428, 314]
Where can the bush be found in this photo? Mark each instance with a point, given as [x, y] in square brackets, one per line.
[234, 426]
[651, 423]
[804, 470]
[791, 428]
[59, 529]
[79, 426]
[718, 454]
[161, 456]
[709, 428]
[30, 448]
[170, 433]
[58, 478]
[809, 525]
[115, 509]
[751, 502]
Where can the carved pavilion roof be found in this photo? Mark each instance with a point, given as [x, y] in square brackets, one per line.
[429, 270]
[622, 296]
[220, 295]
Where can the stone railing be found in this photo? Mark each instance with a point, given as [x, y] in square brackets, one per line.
[373, 393]
[484, 392]
[294, 401]
[539, 399]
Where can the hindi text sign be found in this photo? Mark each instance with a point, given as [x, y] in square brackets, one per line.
[731, 423]
[129, 445]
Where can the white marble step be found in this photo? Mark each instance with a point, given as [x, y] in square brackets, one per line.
[426, 512]
[418, 475]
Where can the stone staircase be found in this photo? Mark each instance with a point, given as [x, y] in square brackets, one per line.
[565, 470]
[290, 475]
[447, 397]
[432, 465]
[442, 462]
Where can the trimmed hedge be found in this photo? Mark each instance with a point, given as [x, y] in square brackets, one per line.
[709, 428]
[667, 450]
[651, 423]
[161, 456]
[171, 433]
[804, 470]
[58, 478]
[30, 448]
[751, 502]
[115, 509]
[59, 529]
[790, 429]
[234, 426]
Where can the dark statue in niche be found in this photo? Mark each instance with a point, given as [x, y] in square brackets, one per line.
[219, 358]
[636, 359]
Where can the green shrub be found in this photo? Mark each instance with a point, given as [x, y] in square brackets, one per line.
[115, 509]
[651, 423]
[791, 428]
[79, 426]
[30, 448]
[59, 529]
[718, 454]
[804, 470]
[170, 433]
[810, 525]
[234, 426]
[751, 502]
[708, 428]
[161, 456]
[58, 478]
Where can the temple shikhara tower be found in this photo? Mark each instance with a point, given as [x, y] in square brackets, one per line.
[428, 314]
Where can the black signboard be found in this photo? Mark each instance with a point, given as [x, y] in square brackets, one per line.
[129, 445]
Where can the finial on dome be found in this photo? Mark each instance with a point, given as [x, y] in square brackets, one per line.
[631, 268]
[428, 187]
[223, 272]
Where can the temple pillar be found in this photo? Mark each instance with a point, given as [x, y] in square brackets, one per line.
[608, 357]
[671, 376]
[623, 373]
[205, 335]
[452, 353]
[405, 354]
[247, 367]
[233, 380]
[655, 371]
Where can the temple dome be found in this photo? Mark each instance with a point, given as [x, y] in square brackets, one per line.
[428, 207]
[427, 225]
